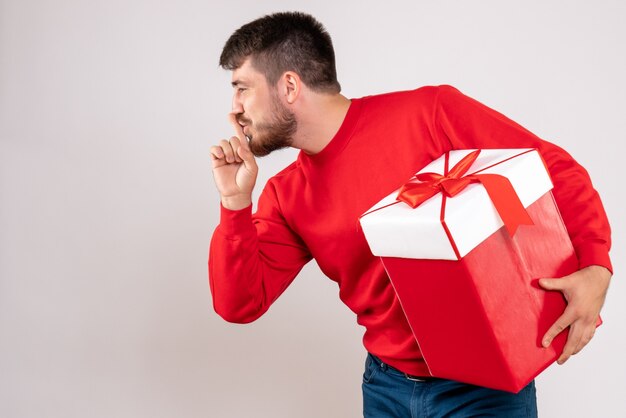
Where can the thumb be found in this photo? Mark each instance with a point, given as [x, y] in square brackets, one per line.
[551, 284]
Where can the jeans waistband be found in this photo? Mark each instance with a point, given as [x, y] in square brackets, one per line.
[384, 366]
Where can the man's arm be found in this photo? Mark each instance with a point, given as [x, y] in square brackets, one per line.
[465, 123]
[252, 258]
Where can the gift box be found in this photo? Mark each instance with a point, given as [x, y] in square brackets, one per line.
[464, 243]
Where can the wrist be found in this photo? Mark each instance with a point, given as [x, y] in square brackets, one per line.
[236, 202]
[599, 270]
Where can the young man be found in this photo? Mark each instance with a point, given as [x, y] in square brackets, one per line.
[353, 153]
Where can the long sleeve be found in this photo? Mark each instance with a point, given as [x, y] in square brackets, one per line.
[253, 259]
[465, 123]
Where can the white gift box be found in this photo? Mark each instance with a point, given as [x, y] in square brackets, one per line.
[394, 229]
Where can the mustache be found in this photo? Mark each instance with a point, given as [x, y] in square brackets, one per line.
[241, 119]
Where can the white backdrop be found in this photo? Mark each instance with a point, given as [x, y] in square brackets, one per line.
[107, 203]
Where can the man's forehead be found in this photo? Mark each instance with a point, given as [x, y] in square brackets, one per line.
[246, 73]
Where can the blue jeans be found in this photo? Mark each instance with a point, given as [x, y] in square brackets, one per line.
[388, 393]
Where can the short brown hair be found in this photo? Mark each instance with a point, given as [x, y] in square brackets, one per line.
[287, 41]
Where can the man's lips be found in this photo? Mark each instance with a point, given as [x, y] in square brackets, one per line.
[245, 125]
[247, 132]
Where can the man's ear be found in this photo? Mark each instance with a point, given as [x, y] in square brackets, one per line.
[291, 86]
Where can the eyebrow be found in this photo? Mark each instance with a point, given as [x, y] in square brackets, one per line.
[237, 82]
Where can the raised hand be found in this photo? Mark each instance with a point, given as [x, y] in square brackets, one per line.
[234, 168]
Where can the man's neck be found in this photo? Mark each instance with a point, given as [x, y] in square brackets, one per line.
[320, 121]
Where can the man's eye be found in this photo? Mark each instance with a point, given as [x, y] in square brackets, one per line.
[241, 89]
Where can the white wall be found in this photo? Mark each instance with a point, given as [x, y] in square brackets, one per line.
[107, 203]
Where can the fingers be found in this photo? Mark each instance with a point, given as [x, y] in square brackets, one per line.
[587, 338]
[581, 332]
[573, 341]
[585, 291]
[565, 285]
[579, 336]
[561, 324]
[226, 152]
[248, 158]
[553, 284]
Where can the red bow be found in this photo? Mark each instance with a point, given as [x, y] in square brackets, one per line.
[499, 188]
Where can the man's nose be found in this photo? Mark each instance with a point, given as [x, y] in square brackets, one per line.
[237, 107]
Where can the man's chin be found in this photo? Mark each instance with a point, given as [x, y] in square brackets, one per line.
[263, 150]
[256, 149]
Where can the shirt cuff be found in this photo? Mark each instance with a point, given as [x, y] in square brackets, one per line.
[594, 254]
[236, 222]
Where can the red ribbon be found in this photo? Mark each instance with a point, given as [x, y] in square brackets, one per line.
[500, 190]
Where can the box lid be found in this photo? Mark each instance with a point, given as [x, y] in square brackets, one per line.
[394, 229]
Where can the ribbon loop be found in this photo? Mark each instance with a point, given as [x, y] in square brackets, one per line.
[501, 192]
[428, 176]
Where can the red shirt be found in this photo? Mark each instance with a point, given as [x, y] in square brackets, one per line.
[311, 209]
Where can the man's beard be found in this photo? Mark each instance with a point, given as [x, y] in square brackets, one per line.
[275, 134]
